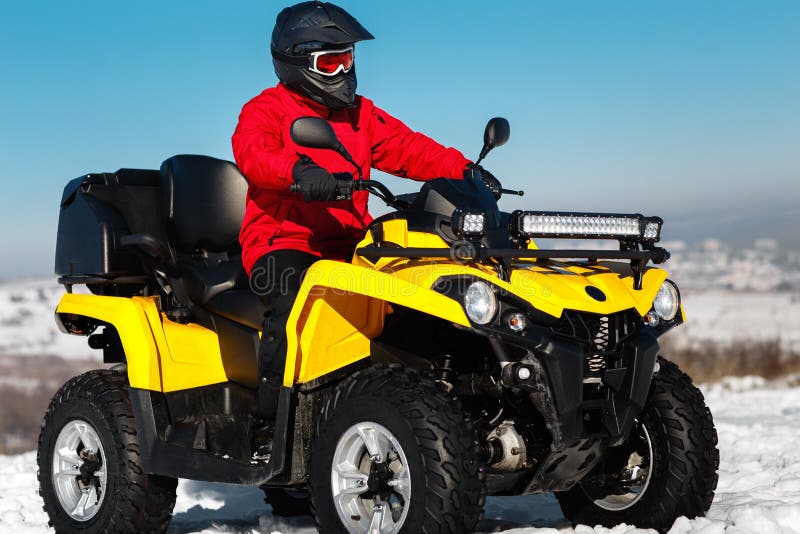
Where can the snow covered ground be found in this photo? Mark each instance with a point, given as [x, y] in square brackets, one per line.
[758, 492]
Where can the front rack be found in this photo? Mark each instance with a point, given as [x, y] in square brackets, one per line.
[468, 252]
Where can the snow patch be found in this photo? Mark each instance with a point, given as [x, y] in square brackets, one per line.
[758, 493]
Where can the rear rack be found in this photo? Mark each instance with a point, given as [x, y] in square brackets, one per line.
[73, 280]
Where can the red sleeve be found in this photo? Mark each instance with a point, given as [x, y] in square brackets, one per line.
[398, 150]
[258, 147]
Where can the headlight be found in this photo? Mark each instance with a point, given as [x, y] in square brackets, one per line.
[469, 223]
[587, 226]
[667, 301]
[480, 303]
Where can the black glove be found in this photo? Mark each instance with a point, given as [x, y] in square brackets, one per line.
[315, 183]
[476, 171]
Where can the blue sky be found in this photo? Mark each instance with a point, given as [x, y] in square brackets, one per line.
[685, 109]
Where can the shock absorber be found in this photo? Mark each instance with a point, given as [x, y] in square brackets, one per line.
[444, 372]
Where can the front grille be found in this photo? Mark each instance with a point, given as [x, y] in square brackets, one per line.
[600, 333]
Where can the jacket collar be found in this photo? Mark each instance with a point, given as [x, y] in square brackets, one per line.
[305, 102]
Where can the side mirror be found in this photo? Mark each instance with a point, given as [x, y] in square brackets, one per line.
[496, 134]
[314, 132]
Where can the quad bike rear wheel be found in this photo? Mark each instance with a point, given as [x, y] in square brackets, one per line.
[667, 467]
[90, 475]
[392, 453]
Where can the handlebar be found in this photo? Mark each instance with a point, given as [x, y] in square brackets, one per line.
[346, 187]
[512, 192]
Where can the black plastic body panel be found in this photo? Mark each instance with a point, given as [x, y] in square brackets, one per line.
[238, 346]
[96, 211]
[583, 416]
[558, 390]
[432, 208]
[168, 452]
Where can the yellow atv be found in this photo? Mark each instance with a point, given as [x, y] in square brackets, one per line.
[449, 360]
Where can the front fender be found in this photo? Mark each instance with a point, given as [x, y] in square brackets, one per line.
[341, 307]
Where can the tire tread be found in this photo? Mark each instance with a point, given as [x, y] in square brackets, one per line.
[455, 491]
[143, 502]
[691, 452]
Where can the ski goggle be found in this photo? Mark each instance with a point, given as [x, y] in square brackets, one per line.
[331, 62]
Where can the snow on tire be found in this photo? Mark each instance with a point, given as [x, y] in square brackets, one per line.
[666, 469]
[392, 453]
[90, 475]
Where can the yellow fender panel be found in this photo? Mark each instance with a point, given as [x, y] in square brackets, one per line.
[340, 307]
[557, 286]
[161, 355]
[130, 319]
[550, 287]
[192, 357]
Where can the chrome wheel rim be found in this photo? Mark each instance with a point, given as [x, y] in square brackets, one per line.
[370, 480]
[634, 477]
[79, 470]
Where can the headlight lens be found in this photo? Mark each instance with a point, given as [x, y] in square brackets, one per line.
[469, 223]
[587, 226]
[667, 301]
[480, 303]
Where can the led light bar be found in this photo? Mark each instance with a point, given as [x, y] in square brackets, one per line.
[587, 226]
[469, 223]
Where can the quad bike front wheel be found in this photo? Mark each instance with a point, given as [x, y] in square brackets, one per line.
[667, 467]
[90, 475]
[392, 453]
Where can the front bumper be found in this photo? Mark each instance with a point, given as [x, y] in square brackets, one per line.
[577, 401]
[586, 408]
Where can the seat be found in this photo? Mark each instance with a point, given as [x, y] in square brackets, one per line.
[203, 282]
[240, 305]
[204, 202]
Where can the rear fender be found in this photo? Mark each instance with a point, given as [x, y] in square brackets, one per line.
[341, 307]
[130, 319]
[161, 355]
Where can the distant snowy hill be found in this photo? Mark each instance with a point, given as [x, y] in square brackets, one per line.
[727, 316]
[712, 264]
[27, 324]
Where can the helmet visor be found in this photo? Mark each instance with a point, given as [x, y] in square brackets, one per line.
[331, 62]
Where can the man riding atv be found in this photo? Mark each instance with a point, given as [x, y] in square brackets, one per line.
[448, 358]
[285, 232]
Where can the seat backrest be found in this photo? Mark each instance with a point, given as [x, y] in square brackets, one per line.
[204, 201]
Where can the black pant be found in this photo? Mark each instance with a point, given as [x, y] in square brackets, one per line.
[276, 278]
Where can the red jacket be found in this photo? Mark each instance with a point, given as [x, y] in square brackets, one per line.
[276, 218]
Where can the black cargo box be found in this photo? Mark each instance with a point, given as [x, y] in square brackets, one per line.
[96, 211]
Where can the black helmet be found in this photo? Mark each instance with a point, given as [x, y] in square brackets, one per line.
[308, 27]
